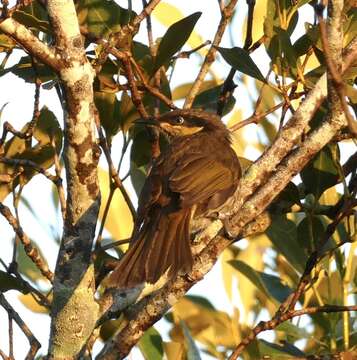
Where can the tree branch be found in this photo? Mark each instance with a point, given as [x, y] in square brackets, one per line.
[34, 343]
[281, 164]
[30, 250]
[74, 309]
[31, 43]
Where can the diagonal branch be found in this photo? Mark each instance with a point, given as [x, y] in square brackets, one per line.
[280, 164]
[143, 314]
[24, 37]
[30, 250]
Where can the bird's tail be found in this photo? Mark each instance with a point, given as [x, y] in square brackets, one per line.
[162, 247]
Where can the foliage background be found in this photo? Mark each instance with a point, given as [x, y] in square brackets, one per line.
[256, 274]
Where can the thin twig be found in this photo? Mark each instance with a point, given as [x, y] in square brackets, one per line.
[59, 182]
[11, 269]
[113, 172]
[31, 164]
[4, 357]
[146, 12]
[288, 306]
[105, 213]
[187, 54]
[16, 199]
[30, 250]
[228, 85]
[272, 324]
[255, 118]
[11, 336]
[249, 38]
[152, 90]
[5, 13]
[135, 95]
[114, 244]
[34, 343]
[226, 15]
[28, 131]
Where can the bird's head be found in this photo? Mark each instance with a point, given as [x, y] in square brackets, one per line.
[188, 122]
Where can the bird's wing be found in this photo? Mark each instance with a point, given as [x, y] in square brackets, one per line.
[198, 177]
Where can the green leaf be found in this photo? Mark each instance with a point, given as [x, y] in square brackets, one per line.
[24, 70]
[174, 38]
[109, 112]
[128, 112]
[350, 26]
[48, 128]
[142, 56]
[271, 19]
[286, 199]
[240, 60]
[30, 21]
[104, 81]
[312, 76]
[310, 231]
[200, 300]
[302, 45]
[151, 345]
[208, 100]
[36, 10]
[26, 265]
[282, 53]
[193, 352]
[6, 44]
[137, 176]
[102, 17]
[293, 22]
[321, 173]
[9, 282]
[108, 329]
[140, 155]
[270, 285]
[275, 351]
[292, 330]
[283, 234]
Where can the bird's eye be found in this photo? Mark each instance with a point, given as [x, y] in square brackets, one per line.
[179, 120]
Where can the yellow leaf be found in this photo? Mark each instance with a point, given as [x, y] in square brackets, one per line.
[174, 350]
[168, 14]
[252, 255]
[329, 196]
[328, 288]
[181, 91]
[207, 325]
[227, 271]
[258, 20]
[312, 63]
[119, 221]
[238, 139]
[29, 302]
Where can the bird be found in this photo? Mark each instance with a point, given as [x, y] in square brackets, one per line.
[197, 172]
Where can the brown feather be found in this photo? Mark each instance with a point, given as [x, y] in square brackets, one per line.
[198, 171]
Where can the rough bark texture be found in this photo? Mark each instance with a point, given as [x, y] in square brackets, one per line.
[262, 182]
[74, 310]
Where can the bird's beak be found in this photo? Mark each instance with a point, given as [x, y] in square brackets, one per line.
[148, 122]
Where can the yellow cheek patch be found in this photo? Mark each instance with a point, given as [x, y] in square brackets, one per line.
[189, 130]
[180, 130]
